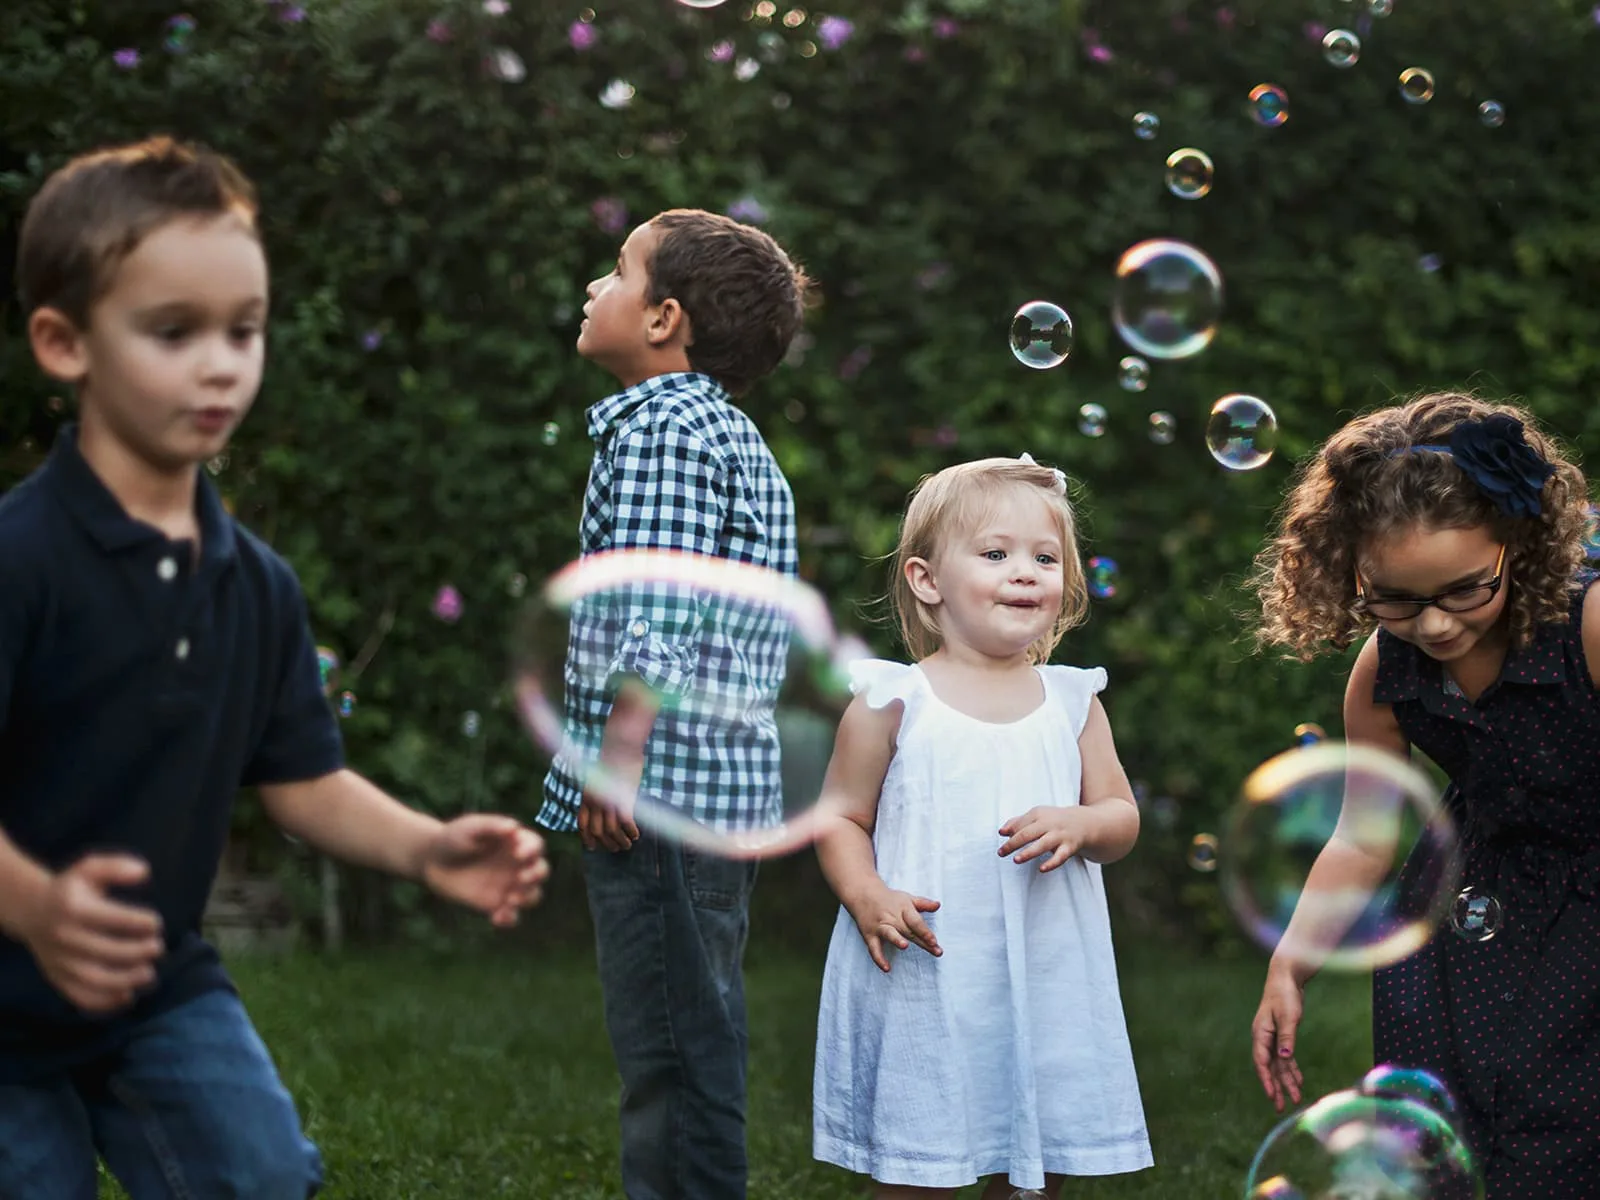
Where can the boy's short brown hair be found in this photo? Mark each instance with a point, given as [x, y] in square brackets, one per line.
[92, 213]
[744, 297]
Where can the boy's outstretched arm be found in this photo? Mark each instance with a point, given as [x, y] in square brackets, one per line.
[487, 862]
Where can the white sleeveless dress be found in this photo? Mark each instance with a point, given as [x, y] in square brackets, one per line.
[1008, 1055]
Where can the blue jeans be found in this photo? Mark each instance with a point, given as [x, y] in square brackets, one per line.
[670, 928]
[190, 1109]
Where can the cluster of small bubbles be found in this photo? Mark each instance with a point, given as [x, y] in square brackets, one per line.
[347, 704]
[1409, 1083]
[1167, 299]
[1381, 8]
[516, 585]
[1091, 420]
[328, 669]
[1041, 335]
[447, 604]
[1163, 428]
[1189, 173]
[551, 433]
[1203, 852]
[1309, 733]
[1379, 804]
[617, 94]
[1269, 104]
[1476, 916]
[1100, 573]
[1351, 1145]
[179, 30]
[1492, 113]
[1242, 432]
[1146, 125]
[1416, 85]
[471, 723]
[1341, 48]
[1133, 374]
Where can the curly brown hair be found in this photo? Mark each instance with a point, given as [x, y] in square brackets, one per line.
[1358, 486]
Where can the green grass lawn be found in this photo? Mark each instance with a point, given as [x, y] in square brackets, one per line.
[489, 1075]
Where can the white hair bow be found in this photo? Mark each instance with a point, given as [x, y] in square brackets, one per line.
[1061, 476]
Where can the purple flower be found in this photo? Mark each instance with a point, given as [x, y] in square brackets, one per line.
[610, 214]
[127, 58]
[1430, 263]
[1225, 18]
[293, 14]
[496, 8]
[721, 52]
[439, 30]
[581, 35]
[1101, 54]
[913, 53]
[447, 605]
[946, 27]
[1595, 14]
[748, 209]
[834, 32]
[1315, 31]
[371, 340]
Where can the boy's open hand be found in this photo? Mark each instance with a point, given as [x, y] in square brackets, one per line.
[1058, 832]
[493, 864]
[896, 918]
[96, 951]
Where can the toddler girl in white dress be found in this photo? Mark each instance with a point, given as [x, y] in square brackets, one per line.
[970, 1023]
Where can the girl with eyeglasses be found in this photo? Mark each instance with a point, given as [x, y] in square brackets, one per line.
[1449, 533]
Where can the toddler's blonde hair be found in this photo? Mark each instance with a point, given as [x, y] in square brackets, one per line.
[956, 500]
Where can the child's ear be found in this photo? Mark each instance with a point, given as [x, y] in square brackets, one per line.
[919, 575]
[58, 345]
[668, 324]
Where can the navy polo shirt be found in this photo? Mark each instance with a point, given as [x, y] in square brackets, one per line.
[140, 687]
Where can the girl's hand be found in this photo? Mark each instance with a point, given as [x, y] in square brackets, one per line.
[1058, 832]
[896, 918]
[1272, 1035]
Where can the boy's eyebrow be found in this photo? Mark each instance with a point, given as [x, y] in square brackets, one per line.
[180, 308]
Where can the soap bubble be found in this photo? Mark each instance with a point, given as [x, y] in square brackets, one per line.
[1416, 85]
[1492, 113]
[1163, 428]
[1189, 173]
[1476, 916]
[1167, 299]
[1369, 808]
[448, 605]
[1308, 733]
[347, 704]
[471, 724]
[1269, 104]
[1091, 420]
[1350, 1146]
[1409, 1083]
[1146, 125]
[1041, 335]
[1203, 852]
[1101, 574]
[688, 651]
[1591, 541]
[1341, 48]
[179, 30]
[701, 3]
[505, 65]
[550, 434]
[1381, 8]
[328, 669]
[1133, 374]
[1242, 432]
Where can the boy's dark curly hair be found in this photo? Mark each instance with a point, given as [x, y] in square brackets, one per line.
[1356, 487]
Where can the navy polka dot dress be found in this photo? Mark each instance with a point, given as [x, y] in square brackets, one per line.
[1512, 1024]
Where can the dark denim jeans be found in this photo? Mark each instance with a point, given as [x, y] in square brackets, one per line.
[670, 929]
[191, 1109]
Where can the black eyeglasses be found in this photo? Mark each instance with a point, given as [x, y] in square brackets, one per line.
[1456, 600]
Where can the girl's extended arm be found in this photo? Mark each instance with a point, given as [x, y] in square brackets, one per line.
[862, 750]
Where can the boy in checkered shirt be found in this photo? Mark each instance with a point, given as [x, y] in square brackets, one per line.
[696, 311]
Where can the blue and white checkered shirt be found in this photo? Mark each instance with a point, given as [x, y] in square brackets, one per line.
[678, 467]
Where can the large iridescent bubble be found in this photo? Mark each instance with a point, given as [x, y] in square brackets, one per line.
[1167, 299]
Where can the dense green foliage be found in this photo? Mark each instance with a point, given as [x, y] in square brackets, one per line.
[932, 176]
[425, 1076]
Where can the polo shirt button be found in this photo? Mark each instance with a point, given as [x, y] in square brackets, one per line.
[639, 629]
[183, 649]
[167, 568]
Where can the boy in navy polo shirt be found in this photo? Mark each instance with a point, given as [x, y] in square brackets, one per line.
[697, 310]
[154, 657]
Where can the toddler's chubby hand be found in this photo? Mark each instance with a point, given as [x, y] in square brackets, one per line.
[1058, 832]
[896, 918]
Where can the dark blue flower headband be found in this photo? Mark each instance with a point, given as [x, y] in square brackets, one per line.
[1495, 455]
